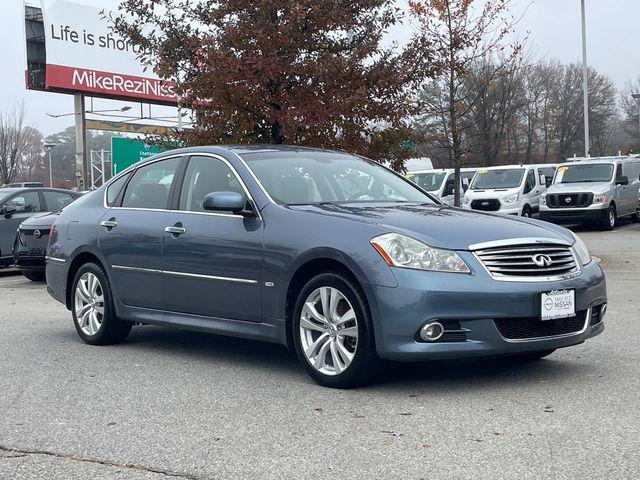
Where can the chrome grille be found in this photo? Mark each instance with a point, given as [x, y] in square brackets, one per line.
[538, 261]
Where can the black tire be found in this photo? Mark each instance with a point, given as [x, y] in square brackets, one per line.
[530, 356]
[112, 330]
[526, 211]
[612, 217]
[363, 367]
[35, 275]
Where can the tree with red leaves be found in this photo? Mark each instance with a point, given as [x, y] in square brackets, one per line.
[303, 72]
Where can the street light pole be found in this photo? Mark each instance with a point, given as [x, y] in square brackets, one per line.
[585, 91]
[49, 147]
[636, 97]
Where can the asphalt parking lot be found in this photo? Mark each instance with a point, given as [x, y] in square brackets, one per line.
[170, 403]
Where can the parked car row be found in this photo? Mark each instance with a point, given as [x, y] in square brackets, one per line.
[602, 189]
[24, 229]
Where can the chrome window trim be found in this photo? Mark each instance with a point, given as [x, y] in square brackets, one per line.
[587, 321]
[125, 268]
[132, 168]
[253, 175]
[195, 154]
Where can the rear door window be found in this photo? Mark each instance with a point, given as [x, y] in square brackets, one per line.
[150, 185]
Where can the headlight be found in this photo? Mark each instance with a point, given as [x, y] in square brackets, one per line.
[405, 252]
[600, 198]
[466, 200]
[511, 198]
[581, 250]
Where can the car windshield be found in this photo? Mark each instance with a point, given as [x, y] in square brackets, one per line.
[499, 178]
[430, 181]
[293, 177]
[595, 172]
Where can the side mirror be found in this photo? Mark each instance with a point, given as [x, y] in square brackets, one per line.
[7, 210]
[623, 180]
[224, 202]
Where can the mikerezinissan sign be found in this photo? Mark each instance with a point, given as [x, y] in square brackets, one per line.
[84, 55]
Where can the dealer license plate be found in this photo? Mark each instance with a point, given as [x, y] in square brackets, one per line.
[558, 304]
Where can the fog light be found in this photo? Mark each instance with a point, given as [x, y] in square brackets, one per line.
[432, 332]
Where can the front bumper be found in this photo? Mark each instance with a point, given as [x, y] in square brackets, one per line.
[473, 302]
[26, 260]
[593, 213]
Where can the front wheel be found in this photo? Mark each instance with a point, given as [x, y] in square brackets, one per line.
[333, 332]
[526, 211]
[610, 222]
[93, 312]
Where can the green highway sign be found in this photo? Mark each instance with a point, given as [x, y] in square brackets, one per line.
[127, 151]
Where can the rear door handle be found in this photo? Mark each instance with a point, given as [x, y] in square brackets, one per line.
[175, 230]
[109, 224]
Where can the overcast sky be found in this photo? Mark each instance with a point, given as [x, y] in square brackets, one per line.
[553, 28]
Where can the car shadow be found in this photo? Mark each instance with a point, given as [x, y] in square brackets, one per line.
[441, 375]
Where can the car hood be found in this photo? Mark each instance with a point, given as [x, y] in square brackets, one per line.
[443, 226]
[40, 220]
[595, 187]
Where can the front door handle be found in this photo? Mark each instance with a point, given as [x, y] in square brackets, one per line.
[109, 224]
[175, 230]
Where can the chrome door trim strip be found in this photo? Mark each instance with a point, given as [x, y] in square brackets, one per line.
[54, 259]
[210, 277]
[587, 321]
[125, 268]
[184, 274]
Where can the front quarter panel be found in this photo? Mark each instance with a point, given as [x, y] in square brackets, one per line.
[293, 238]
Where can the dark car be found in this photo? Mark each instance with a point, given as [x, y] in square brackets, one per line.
[31, 245]
[18, 204]
[331, 254]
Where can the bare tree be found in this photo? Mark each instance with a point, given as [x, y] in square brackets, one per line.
[13, 142]
[32, 163]
[454, 34]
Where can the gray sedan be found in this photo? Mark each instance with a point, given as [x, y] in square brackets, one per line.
[331, 254]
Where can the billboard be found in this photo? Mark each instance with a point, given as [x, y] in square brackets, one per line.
[127, 151]
[82, 54]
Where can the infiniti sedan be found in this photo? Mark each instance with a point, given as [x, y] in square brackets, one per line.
[330, 254]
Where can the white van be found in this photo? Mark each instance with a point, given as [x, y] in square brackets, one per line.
[508, 189]
[440, 182]
[601, 189]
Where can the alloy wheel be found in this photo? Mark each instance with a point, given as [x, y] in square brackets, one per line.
[612, 217]
[328, 331]
[89, 304]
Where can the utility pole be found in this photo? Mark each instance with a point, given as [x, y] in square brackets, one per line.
[585, 91]
[636, 96]
[49, 147]
[81, 142]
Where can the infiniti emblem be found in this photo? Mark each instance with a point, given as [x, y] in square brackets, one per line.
[37, 233]
[541, 260]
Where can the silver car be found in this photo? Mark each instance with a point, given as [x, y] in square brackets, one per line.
[597, 189]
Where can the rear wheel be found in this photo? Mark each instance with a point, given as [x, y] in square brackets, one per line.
[92, 308]
[610, 222]
[333, 332]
